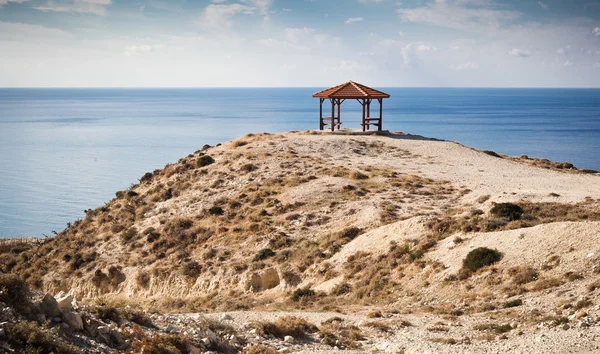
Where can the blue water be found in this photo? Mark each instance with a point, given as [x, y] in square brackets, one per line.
[66, 150]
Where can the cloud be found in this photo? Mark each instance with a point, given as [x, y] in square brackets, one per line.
[596, 31]
[543, 5]
[138, 49]
[97, 7]
[563, 51]
[465, 66]
[17, 31]
[411, 52]
[516, 52]
[4, 2]
[568, 63]
[261, 5]
[459, 15]
[218, 17]
[295, 34]
[370, 1]
[354, 19]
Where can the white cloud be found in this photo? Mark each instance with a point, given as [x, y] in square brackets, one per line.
[138, 49]
[218, 17]
[461, 14]
[295, 34]
[543, 5]
[261, 5]
[4, 2]
[596, 31]
[568, 63]
[411, 52]
[465, 66]
[354, 19]
[563, 51]
[521, 53]
[16, 31]
[97, 7]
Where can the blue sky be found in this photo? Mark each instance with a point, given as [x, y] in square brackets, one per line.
[207, 43]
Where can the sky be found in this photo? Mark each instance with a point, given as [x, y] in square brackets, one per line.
[299, 43]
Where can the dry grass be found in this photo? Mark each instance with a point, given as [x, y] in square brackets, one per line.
[285, 326]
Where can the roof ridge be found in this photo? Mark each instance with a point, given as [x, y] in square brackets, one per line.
[358, 87]
[339, 87]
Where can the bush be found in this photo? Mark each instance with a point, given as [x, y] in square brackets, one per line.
[507, 210]
[205, 160]
[216, 211]
[285, 326]
[14, 292]
[491, 153]
[513, 303]
[481, 257]
[259, 349]
[300, 293]
[350, 233]
[35, 340]
[129, 234]
[263, 254]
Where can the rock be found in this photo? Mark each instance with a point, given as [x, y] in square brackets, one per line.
[103, 329]
[206, 341]
[451, 244]
[56, 319]
[41, 318]
[582, 324]
[73, 320]
[580, 314]
[2, 333]
[49, 306]
[288, 339]
[226, 317]
[65, 303]
[566, 326]
[171, 329]
[91, 326]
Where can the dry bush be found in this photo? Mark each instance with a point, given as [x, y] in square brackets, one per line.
[523, 274]
[446, 340]
[546, 283]
[285, 326]
[493, 327]
[259, 349]
[593, 285]
[379, 325]
[14, 292]
[31, 338]
[335, 333]
[573, 276]
[162, 344]
[374, 314]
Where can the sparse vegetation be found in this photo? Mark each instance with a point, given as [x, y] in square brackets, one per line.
[481, 257]
[508, 211]
[204, 161]
[513, 303]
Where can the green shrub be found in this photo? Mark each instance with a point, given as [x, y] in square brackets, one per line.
[14, 292]
[513, 303]
[481, 257]
[263, 254]
[216, 211]
[300, 293]
[507, 210]
[129, 234]
[205, 160]
[33, 339]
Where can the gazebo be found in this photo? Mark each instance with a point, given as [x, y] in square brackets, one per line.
[353, 91]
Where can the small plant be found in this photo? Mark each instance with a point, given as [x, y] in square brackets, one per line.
[358, 175]
[263, 254]
[35, 340]
[507, 210]
[481, 257]
[249, 167]
[350, 233]
[513, 303]
[216, 210]
[129, 234]
[491, 153]
[14, 292]
[205, 160]
[259, 349]
[239, 143]
[302, 293]
[296, 327]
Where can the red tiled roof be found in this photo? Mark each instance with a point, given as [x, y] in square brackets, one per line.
[351, 90]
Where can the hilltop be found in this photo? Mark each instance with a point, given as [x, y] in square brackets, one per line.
[362, 226]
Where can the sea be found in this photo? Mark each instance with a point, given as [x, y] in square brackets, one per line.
[63, 151]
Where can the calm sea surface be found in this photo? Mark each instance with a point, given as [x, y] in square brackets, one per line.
[65, 150]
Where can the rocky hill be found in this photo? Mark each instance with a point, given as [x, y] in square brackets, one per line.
[338, 222]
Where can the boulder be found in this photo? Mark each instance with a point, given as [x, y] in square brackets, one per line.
[49, 306]
[73, 320]
[91, 326]
[65, 303]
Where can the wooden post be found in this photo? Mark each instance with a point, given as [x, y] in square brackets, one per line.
[321, 113]
[364, 122]
[380, 113]
[339, 118]
[332, 114]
